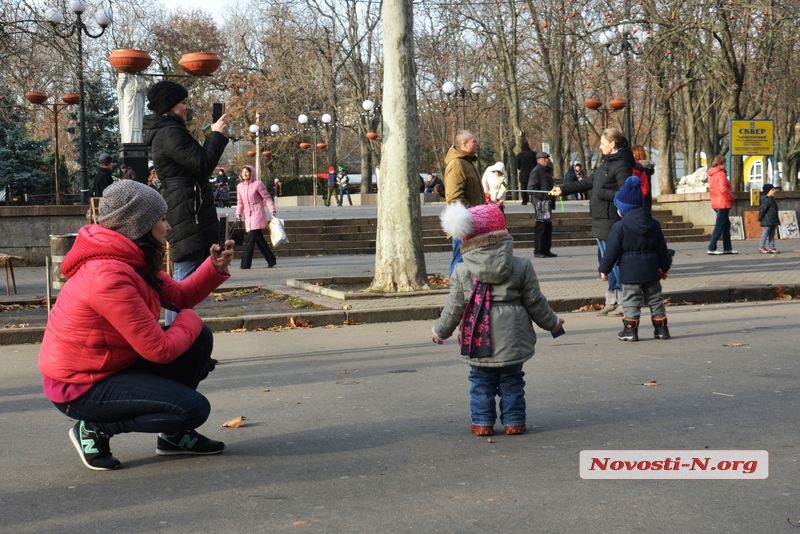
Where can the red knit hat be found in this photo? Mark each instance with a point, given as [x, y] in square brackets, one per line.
[466, 224]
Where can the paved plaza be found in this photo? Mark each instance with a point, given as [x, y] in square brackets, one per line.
[364, 428]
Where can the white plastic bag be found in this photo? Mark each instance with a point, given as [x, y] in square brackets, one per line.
[277, 234]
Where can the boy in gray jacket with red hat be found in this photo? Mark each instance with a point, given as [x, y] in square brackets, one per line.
[637, 243]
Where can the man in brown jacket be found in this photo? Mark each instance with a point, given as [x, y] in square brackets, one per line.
[462, 183]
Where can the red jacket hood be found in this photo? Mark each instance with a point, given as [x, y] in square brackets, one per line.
[97, 242]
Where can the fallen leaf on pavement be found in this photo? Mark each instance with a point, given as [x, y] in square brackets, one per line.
[734, 345]
[300, 322]
[236, 422]
[650, 383]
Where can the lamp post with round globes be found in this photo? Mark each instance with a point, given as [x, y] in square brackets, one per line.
[372, 114]
[624, 41]
[452, 92]
[68, 99]
[56, 18]
[304, 120]
[256, 130]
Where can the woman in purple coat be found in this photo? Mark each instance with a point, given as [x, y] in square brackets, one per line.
[251, 195]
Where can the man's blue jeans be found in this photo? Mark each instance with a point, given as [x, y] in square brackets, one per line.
[486, 383]
[180, 271]
[613, 277]
[456, 256]
[149, 397]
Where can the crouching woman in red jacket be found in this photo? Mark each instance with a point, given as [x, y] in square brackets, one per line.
[105, 359]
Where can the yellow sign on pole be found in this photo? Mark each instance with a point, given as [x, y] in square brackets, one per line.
[751, 138]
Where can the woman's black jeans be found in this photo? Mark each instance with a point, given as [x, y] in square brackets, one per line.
[149, 397]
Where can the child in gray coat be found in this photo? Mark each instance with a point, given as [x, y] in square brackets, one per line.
[494, 296]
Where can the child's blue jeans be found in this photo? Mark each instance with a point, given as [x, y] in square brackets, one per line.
[485, 383]
[767, 237]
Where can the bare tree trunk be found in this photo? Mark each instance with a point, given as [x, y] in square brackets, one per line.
[690, 128]
[399, 258]
[665, 170]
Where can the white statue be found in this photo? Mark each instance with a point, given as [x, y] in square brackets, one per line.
[131, 92]
[697, 182]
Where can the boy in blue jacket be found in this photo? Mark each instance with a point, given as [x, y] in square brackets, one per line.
[637, 243]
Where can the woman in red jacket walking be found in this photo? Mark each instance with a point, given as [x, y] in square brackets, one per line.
[105, 359]
[251, 195]
[719, 188]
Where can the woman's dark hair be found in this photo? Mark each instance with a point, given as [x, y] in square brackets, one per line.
[154, 253]
[719, 159]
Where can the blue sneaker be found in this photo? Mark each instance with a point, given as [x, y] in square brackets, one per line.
[93, 448]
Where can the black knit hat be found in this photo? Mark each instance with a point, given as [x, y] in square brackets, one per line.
[163, 95]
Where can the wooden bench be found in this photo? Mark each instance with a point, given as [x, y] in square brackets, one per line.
[6, 261]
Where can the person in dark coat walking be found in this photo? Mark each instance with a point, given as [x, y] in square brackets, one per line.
[104, 177]
[541, 179]
[184, 166]
[524, 163]
[604, 182]
[637, 243]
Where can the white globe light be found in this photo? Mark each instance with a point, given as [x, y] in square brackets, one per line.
[274, 128]
[302, 118]
[55, 16]
[326, 118]
[368, 105]
[103, 19]
[476, 88]
[448, 88]
[253, 128]
[77, 6]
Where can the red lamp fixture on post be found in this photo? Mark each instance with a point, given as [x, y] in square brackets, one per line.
[315, 122]
[200, 63]
[67, 99]
[613, 105]
[129, 60]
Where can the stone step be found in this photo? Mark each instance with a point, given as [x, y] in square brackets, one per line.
[357, 236]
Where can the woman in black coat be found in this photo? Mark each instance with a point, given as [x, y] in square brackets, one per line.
[184, 166]
[615, 167]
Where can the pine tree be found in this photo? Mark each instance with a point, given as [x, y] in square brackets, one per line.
[102, 127]
[22, 160]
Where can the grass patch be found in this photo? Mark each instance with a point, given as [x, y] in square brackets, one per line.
[302, 304]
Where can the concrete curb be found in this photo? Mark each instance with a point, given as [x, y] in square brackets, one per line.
[430, 313]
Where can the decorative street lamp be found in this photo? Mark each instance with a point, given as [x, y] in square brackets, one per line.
[373, 114]
[451, 92]
[612, 106]
[68, 99]
[624, 41]
[256, 130]
[325, 120]
[56, 18]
